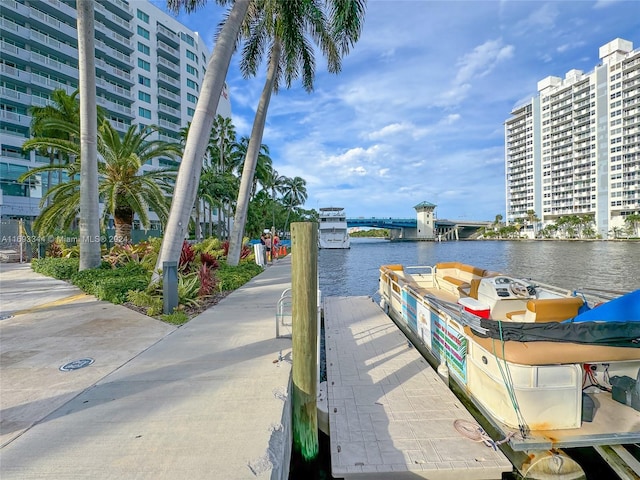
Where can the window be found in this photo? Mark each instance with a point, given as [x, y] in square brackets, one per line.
[144, 65]
[9, 185]
[192, 98]
[192, 56]
[143, 32]
[187, 38]
[142, 80]
[192, 84]
[145, 97]
[143, 48]
[143, 16]
[190, 111]
[144, 113]
[192, 70]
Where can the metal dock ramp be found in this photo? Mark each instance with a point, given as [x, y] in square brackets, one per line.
[390, 415]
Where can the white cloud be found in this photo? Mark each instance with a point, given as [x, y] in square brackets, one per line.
[482, 60]
[399, 129]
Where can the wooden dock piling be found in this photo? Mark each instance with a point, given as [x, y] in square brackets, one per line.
[304, 281]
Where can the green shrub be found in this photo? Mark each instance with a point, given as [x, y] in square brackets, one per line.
[116, 289]
[175, 318]
[231, 278]
[152, 302]
[90, 280]
[60, 268]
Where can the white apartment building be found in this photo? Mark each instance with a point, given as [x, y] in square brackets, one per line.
[575, 147]
[149, 68]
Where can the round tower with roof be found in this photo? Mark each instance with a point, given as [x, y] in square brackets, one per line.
[426, 221]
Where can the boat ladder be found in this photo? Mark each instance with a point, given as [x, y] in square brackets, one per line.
[284, 316]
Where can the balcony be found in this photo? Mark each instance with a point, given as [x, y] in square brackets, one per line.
[168, 51]
[52, 26]
[174, 112]
[15, 118]
[163, 77]
[114, 71]
[168, 36]
[163, 92]
[114, 54]
[113, 89]
[114, 107]
[168, 67]
[58, 8]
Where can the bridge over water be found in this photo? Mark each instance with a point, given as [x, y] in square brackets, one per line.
[405, 228]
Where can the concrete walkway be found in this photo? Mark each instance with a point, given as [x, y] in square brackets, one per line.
[203, 401]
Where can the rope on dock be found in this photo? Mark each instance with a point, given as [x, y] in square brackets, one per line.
[476, 433]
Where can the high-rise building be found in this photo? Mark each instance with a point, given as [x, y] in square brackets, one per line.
[149, 69]
[574, 148]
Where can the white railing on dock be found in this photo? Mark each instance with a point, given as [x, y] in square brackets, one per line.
[284, 311]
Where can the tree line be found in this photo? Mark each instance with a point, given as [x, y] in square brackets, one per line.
[565, 227]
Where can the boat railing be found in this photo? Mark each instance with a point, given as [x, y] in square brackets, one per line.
[457, 313]
[423, 275]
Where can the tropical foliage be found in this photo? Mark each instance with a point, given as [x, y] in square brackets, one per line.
[124, 187]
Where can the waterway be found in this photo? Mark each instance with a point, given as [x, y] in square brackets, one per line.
[567, 264]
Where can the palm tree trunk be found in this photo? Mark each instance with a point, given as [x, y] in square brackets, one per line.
[198, 138]
[122, 231]
[89, 218]
[250, 161]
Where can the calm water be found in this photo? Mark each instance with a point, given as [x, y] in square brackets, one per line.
[601, 265]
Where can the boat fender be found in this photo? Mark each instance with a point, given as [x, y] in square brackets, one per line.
[443, 372]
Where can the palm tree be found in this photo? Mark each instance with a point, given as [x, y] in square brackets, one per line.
[89, 203]
[282, 28]
[198, 139]
[274, 184]
[633, 222]
[124, 187]
[46, 122]
[224, 155]
[264, 164]
[295, 194]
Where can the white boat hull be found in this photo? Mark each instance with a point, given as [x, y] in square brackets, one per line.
[333, 232]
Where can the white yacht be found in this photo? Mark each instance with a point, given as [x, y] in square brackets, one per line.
[333, 228]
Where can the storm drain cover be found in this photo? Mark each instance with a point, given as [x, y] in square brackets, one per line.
[76, 364]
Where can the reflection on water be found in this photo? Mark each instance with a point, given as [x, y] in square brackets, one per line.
[601, 265]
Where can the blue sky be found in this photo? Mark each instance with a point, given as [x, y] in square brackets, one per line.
[417, 112]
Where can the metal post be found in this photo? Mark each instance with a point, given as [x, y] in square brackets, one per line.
[169, 286]
[20, 238]
[304, 281]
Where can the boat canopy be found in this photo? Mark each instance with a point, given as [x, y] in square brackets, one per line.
[615, 323]
[622, 309]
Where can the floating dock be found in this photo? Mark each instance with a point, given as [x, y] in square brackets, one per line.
[390, 414]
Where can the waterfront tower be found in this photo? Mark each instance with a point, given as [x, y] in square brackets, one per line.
[426, 220]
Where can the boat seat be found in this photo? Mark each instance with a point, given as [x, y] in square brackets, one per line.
[516, 315]
[542, 310]
[455, 277]
[473, 288]
[455, 281]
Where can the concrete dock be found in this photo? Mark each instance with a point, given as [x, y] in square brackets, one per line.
[390, 415]
[207, 400]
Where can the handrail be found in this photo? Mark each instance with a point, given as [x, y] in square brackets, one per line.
[286, 295]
